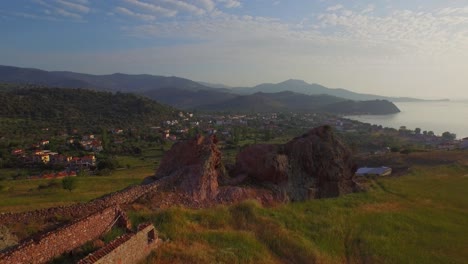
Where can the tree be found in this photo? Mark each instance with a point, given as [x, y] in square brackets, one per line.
[235, 135]
[403, 130]
[109, 163]
[449, 136]
[267, 135]
[430, 133]
[417, 131]
[69, 183]
[105, 139]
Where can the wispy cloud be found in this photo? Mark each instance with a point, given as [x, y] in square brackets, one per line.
[125, 11]
[67, 14]
[74, 6]
[334, 8]
[152, 8]
[208, 5]
[230, 3]
[405, 30]
[185, 7]
[454, 11]
[64, 9]
[33, 16]
[368, 9]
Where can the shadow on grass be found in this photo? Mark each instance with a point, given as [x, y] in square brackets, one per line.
[385, 189]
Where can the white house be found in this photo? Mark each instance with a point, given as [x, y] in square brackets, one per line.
[464, 143]
[379, 171]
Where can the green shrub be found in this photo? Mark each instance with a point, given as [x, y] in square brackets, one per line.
[113, 234]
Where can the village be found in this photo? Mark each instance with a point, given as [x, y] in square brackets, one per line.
[58, 156]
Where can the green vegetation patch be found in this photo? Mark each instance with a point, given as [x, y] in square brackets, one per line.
[417, 218]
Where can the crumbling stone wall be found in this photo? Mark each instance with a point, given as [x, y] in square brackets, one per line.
[45, 247]
[128, 249]
[79, 210]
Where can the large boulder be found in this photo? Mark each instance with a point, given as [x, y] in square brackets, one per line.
[314, 165]
[192, 168]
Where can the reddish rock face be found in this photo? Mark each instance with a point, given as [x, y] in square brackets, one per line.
[192, 167]
[314, 165]
[263, 162]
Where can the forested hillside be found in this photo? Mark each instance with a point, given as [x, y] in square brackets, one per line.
[28, 107]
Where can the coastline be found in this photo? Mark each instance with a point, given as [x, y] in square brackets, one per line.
[436, 116]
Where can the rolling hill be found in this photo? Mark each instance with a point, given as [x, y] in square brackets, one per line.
[112, 82]
[79, 108]
[290, 101]
[374, 107]
[185, 99]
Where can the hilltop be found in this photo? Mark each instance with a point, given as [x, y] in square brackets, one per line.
[302, 87]
[78, 108]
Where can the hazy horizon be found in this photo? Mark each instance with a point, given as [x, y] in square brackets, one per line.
[416, 48]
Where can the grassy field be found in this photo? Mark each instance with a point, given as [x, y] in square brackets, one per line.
[417, 218]
[420, 217]
[24, 195]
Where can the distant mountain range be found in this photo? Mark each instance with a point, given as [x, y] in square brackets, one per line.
[112, 82]
[291, 95]
[299, 86]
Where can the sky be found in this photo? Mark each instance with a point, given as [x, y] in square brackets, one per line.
[386, 47]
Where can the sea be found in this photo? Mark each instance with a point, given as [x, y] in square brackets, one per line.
[436, 116]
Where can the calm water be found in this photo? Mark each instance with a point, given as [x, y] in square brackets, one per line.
[436, 116]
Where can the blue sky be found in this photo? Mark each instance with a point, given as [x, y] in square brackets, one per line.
[407, 48]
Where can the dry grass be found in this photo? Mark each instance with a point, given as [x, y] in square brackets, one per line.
[417, 218]
[382, 207]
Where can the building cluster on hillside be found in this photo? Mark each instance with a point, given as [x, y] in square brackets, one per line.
[175, 129]
[38, 155]
[90, 143]
[54, 158]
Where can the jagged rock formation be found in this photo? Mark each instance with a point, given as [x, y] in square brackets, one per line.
[192, 167]
[314, 165]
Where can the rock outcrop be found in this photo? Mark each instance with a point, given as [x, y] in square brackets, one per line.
[192, 168]
[314, 165]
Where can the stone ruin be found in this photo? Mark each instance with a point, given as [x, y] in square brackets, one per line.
[94, 218]
[129, 248]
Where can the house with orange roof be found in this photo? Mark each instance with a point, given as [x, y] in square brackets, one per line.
[17, 152]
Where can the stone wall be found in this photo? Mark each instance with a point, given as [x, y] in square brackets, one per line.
[127, 249]
[45, 247]
[79, 210]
